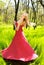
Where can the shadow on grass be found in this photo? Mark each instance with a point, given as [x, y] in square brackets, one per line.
[17, 62]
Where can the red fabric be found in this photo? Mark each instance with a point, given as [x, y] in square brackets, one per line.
[19, 48]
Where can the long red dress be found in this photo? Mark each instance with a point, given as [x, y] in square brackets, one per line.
[19, 48]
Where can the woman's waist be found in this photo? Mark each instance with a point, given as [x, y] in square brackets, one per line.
[19, 32]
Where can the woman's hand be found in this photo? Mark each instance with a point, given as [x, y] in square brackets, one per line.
[32, 24]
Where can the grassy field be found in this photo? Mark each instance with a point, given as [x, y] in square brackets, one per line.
[34, 37]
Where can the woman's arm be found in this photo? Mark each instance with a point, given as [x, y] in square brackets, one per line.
[19, 23]
[31, 24]
[14, 26]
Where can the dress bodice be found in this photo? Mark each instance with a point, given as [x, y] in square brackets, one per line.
[20, 28]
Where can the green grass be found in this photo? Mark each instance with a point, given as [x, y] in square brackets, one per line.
[34, 37]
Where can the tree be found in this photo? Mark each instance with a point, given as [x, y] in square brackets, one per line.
[27, 7]
[34, 11]
[16, 9]
[16, 12]
[2, 4]
[42, 2]
[6, 17]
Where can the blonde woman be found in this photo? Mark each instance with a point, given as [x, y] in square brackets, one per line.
[19, 48]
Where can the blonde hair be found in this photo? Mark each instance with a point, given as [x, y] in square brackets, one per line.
[24, 17]
[20, 22]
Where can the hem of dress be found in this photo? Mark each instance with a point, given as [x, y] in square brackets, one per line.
[23, 59]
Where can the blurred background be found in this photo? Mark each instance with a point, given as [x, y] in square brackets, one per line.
[12, 9]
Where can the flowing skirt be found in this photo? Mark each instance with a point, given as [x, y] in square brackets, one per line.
[19, 49]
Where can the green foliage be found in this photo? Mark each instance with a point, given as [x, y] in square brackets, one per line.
[2, 4]
[2, 62]
[6, 34]
[36, 40]
[1, 18]
[34, 37]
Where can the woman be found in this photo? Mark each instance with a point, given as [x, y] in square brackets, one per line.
[19, 48]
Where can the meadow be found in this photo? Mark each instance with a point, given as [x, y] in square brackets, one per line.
[35, 38]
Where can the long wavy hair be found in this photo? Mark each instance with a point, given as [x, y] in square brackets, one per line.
[24, 17]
